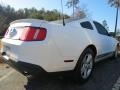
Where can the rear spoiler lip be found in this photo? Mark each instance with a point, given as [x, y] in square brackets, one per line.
[27, 22]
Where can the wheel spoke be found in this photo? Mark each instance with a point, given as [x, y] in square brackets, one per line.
[85, 73]
[89, 59]
[82, 69]
[88, 71]
[90, 65]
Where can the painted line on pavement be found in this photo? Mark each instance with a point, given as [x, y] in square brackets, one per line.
[7, 75]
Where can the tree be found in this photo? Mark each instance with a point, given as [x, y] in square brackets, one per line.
[9, 14]
[72, 3]
[2, 23]
[105, 25]
[116, 4]
[118, 32]
[79, 13]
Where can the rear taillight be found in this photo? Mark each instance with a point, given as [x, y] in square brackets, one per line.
[33, 34]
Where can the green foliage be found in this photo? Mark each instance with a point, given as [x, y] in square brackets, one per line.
[77, 11]
[8, 14]
[115, 3]
[71, 3]
[80, 13]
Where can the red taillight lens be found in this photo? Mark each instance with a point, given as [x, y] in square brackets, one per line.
[33, 34]
[41, 34]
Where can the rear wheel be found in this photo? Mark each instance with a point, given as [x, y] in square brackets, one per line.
[85, 65]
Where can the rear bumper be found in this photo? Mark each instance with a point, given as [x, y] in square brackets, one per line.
[42, 53]
[25, 68]
[32, 69]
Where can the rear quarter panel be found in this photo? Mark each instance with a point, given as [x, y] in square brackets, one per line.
[70, 40]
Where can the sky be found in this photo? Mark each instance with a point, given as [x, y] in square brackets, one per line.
[98, 10]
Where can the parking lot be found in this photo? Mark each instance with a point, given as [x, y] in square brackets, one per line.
[106, 77]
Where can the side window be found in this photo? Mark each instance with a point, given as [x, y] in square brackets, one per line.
[100, 28]
[86, 25]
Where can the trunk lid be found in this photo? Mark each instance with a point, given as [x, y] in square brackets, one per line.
[16, 28]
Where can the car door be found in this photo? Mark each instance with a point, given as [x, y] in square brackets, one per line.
[106, 43]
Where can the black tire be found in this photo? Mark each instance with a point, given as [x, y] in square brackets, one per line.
[78, 70]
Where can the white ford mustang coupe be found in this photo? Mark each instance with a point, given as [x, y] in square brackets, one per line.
[33, 46]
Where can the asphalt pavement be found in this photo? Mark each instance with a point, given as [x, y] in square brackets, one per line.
[106, 76]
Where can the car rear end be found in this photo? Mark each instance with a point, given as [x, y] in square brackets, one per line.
[22, 44]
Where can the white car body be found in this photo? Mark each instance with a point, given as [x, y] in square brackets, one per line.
[62, 43]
